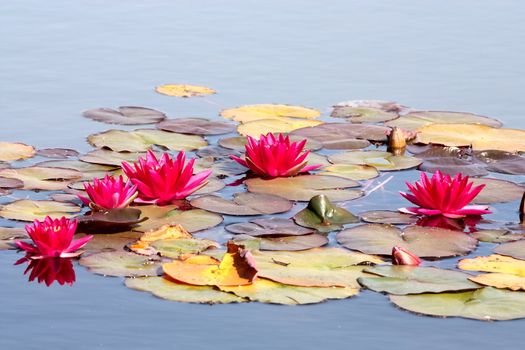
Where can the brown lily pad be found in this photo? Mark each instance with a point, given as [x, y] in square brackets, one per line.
[196, 126]
[125, 115]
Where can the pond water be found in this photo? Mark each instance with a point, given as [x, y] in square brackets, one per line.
[60, 57]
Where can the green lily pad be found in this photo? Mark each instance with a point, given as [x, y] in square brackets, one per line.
[123, 264]
[29, 210]
[89, 171]
[8, 235]
[486, 304]
[425, 242]
[143, 139]
[170, 290]
[302, 188]
[42, 178]
[175, 248]
[497, 191]
[323, 215]
[111, 158]
[513, 249]
[355, 172]
[269, 227]
[243, 204]
[362, 114]
[289, 243]
[498, 236]
[125, 115]
[104, 242]
[417, 119]
[388, 217]
[384, 161]
[403, 280]
[196, 126]
[191, 220]
[266, 291]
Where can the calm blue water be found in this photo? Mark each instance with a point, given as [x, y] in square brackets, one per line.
[60, 57]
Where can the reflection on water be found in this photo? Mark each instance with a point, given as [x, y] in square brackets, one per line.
[49, 270]
[469, 222]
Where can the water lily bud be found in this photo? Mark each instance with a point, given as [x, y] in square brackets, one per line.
[402, 256]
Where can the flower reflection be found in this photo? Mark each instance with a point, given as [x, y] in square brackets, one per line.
[49, 270]
[440, 221]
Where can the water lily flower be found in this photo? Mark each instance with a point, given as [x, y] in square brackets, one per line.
[109, 193]
[49, 270]
[53, 238]
[165, 180]
[443, 195]
[275, 156]
[401, 256]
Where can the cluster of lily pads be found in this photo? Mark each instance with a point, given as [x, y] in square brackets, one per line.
[258, 207]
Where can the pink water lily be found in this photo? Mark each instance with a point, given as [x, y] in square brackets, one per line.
[53, 238]
[443, 195]
[109, 193]
[401, 256]
[275, 156]
[165, 180]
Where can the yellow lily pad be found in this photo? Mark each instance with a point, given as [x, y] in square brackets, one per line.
[249, 113]
[184, 90]
[259, 127]
[418, 119]
[494, 263]
[29, 210]
[10, 151]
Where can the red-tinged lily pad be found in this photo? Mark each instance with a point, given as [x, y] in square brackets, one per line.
[403, 280]
[125, 115]
[243, 204]
[453, 166]
[269, 227]
[425, 242]
[323, 215]
[11, 151]
[167, 289]
[29, 210]
[513, 249]
[221, 168]
[42, 178]
[57, 153]
[417, 119]
[486, 304]
[143, 139]
[113, 220]
[266, 291]
[289, 243]
[302, 188]
[388, 217]
[497, 191]
[122, 264]
[196, 126]
[192, 220]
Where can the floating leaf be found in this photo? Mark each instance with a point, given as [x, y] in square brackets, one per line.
[362, 114]
[499, 236]
[266, 291]
[243, 204]
[89, 171]
[259, 127]
[213, 185]
[7, 183]
[175, 248]
[171, 290]
[418, 119]
[111, 158]
[289, 243]
[502, 162]
[425, 242]
[42, 178]
[302, 188]
[10, 151]
[402, 280]
[225, 167]
[494, 263]
[319, 267]
[102, 242]
[8, 235]
[269, 227]
[196, 126]
[453, 166]
[125, 115]
[121, 264]
[249, 113]
[238, 142]
[184, 90]
[192, 220]
[214, 152]
[143, 139]
[384, 161]
[113, 220]
[514, 249]
[29, 210]
[236, 268]
[323, 215]
[388, 217]
[497, 191]
[58, 153]
[500, 280]
[480, 137]
[485, 304]
[351, 171]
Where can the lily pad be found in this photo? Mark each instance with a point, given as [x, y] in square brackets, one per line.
[42, 178]
[113, 220]
[122, 264]
[104, 242]
[249, 113]
[418, 119]
[216, 152]
[302, 188]
[425, 242]
[514, 249]
[175, 248]
[11, 151]
[344, 135]
[89, 171]
[184, 90]
[243, 204]
[111, 158]
[57, 153]
[453, 166]
[7, 183]
[486, 304]
[266, 291]
[196, 126]
[8, 235]
[362, 114]
[388, 217]
[403, 280]
[192, 220]
[259, 127]
[237, 143]
[323, 215]
[497, 191]
[494, 263]
[269, 227]
[500, 280]
[384, 161]
[170, 290]
[125, 115]
[502, 162]
[29, 210]
[355, 172]
[223, 167]
[143, 139]
[499, 236]
[289, 243]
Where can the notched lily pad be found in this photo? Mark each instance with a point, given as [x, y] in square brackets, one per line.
[497, 191]
[57, 153]
[269, 227]
[388, 217]
[11, 151]
[323, 215]
[196, 126]
[258, 127]
[249, 113]
[418, 119]
[184, 90]
[384, 161]
[113, 220]
[42, 178]
[125, 115]
[122, 264]
[514, 249]
[243, 204]
[192, 220]
[29, 210]
[289, 243]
